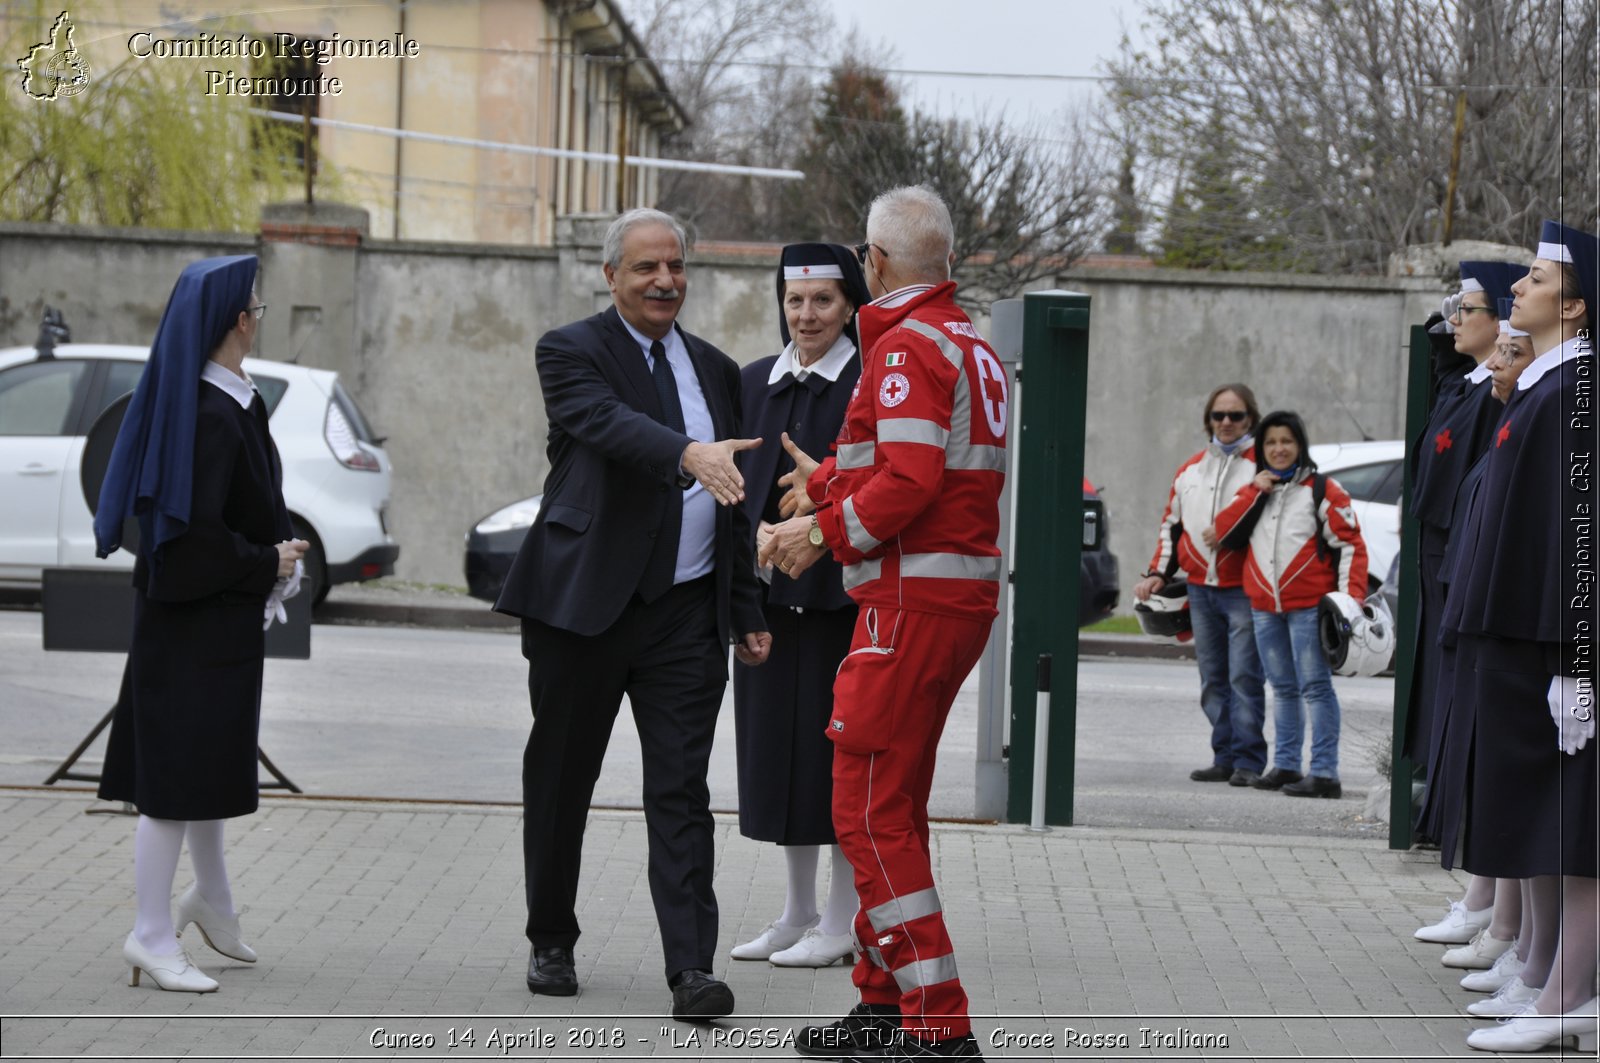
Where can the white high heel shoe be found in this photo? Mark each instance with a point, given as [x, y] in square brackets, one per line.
[1528, 1031]
[221, 934]
[176, 972]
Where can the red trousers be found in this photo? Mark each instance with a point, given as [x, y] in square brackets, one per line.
[891, 699]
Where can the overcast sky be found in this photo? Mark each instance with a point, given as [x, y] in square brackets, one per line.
[1039, 37]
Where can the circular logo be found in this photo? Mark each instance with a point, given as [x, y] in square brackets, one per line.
[894, 389]
[68, 71]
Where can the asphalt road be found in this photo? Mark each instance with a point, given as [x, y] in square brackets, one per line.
[414, 713]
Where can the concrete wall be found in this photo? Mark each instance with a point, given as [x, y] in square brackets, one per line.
[436, 342]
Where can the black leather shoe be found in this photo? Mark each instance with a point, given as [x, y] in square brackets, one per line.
[1314, 786]
[1215, 773]
[1276, 778]
[698, 997]
[551, 972]
[863, 1033]
[1244, 777]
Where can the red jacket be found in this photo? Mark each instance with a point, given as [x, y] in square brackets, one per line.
[1283, 570]
[1203, 486]
[909, 504]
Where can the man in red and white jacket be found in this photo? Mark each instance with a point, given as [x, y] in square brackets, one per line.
[910, 505]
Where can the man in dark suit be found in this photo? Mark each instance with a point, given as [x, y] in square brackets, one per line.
[633, 580]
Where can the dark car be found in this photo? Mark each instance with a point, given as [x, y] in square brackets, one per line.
[494, 541]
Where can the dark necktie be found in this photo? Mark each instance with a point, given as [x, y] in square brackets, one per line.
[666, 387]
[663, 563]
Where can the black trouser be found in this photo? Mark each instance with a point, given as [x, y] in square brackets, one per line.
[666, 657]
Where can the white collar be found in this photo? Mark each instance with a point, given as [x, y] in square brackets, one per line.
[829, 366]
[1479, 374]
[902, 296]
[239, 389]
[1573, 348]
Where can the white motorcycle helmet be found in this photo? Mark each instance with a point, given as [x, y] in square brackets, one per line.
[1164, 616]
[1357, 638]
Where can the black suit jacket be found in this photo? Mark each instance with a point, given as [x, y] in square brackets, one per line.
[613, 472]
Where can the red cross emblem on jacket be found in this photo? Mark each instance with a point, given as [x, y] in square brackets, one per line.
[1442, 442]
[1503, 435]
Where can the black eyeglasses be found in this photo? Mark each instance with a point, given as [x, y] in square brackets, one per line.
[861, 252]
[257, 311]
[1229, 415]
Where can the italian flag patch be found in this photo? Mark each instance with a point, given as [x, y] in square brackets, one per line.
[894, 358]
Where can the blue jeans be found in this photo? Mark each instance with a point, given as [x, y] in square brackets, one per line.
[1298, 672]
[1230, 676]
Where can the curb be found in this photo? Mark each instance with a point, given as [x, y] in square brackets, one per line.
[481, 618]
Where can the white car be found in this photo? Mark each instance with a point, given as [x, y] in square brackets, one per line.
[1373, 473]
[335, 473]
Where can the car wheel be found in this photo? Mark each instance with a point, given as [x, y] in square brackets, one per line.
[316, 577]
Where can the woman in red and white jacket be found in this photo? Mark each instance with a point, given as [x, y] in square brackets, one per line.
[1304, 542]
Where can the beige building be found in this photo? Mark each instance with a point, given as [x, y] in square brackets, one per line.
[531, 83]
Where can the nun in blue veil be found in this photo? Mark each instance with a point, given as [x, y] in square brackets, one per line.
[194, 465]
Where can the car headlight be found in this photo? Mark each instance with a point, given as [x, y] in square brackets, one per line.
[517, 515]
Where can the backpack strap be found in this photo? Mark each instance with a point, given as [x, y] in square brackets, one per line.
[1319, 493]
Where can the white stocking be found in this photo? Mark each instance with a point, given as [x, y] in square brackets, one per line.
[1572, 972]
[156, 845]
[842, 904]
[800, 906]
[210, 870]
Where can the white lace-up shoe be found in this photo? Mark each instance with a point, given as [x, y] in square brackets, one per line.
[221, 934]
[1478, 954]
[1457, 927]
[1510, 1000]
[775, 938]
[815, 949]
[175, 972]
[1528, 1031]
[1504, 970]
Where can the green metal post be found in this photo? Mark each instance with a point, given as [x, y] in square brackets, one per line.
[1048, 434]
[1419, 399]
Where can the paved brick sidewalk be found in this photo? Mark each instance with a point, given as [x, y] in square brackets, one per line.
[379, 922]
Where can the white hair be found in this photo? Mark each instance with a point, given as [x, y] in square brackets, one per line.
[612, 249]
[913, 225]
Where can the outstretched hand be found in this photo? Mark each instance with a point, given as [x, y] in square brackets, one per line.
[796, 502]
[712, 465]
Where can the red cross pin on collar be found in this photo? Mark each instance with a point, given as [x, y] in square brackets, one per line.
[1442, 442]
[1503, 435]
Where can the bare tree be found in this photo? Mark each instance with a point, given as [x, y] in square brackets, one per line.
[1340, 118]
[742, 69]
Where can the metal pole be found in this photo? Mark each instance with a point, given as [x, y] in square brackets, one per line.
[1041, 743]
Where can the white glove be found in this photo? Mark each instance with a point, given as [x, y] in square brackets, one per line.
[1572, 708]
[282, 590]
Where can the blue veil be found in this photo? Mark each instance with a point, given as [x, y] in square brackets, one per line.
[151, 473]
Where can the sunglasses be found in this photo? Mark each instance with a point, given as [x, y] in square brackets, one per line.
[862, 249]
[1229, 415]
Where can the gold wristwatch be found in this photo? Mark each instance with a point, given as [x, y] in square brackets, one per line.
[815, 535]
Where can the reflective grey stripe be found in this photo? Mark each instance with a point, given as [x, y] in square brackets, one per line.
[975, 456]
[926, 973]
[912, 430]
[949, 566]
[862, 572]
[853, 528]
[947, 347]
[960, 453]
[875, 954]
[856, 455]
[904, 909]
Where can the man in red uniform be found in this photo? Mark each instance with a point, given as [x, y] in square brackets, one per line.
[909, 504]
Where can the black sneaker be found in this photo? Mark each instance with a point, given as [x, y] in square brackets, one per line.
[866, 1030]
[1215, 773]
[911, 1048]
